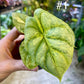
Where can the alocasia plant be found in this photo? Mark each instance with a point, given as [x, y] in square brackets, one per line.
[48, 42]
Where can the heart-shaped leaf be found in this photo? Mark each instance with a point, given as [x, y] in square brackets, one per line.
[49, 43]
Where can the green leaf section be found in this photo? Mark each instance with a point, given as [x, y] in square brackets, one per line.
[19, 21]
[28, 60]
[81, 51]
[49, 43]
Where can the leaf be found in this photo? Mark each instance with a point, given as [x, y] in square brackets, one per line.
[77, 32]
[81, 51]
[48, 42]
[19, 21]
[74, 20]
[4, 31]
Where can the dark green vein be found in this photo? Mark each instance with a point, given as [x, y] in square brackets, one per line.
[58, 38]
[62, 53]
[38, 48]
